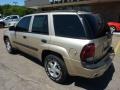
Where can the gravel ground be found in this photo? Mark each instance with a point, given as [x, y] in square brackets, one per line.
[22, 72]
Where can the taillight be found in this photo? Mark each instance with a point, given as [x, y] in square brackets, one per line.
[88, 53]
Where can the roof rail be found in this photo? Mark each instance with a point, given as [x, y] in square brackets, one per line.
[59, 11]
[65, 11]
[76, 11]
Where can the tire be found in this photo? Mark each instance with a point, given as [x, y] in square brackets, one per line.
[2, 25]
[8, 45]
[112, 28]
[55, 68]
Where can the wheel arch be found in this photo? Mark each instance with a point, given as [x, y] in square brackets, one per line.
[62, 53]
[47, 52]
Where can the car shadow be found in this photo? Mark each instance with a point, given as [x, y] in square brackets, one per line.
[33, 59]
[99, 83]
[90, 84]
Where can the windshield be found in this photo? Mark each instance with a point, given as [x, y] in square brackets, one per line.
[94, 25]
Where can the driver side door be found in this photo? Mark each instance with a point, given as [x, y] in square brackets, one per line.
[22, 31]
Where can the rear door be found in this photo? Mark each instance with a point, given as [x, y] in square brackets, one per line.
[21, 34]
[39, 36]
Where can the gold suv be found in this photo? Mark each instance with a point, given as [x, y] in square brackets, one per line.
[66, 42]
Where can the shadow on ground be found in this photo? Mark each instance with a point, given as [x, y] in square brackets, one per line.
[90, 84]
[94, 84]
[35, 60]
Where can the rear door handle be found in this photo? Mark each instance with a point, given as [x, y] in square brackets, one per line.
[44, 41]
[24, 37]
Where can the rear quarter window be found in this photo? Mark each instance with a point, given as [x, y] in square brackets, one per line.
[95, 26]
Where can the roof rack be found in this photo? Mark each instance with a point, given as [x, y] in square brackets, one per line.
[65, 11]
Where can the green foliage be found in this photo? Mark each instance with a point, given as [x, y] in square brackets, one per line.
[14, 9]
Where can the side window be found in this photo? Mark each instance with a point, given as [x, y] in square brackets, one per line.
[7, 18]
[40, 24]
[68, 26]
[23, 25]
[14, 17]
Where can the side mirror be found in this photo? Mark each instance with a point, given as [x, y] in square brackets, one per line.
[12, 28]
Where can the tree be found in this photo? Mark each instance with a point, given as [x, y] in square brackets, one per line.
[15, 9]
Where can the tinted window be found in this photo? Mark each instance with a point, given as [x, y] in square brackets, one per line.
[14, 17]
[68, 26]
[40, 24]
[23, 25]
[94, 25]
[7, 18]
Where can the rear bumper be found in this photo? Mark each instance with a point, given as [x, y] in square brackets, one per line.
[76, 69]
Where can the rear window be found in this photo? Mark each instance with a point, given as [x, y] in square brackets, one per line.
[94, 25]
[68, 26]
[14, 17]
